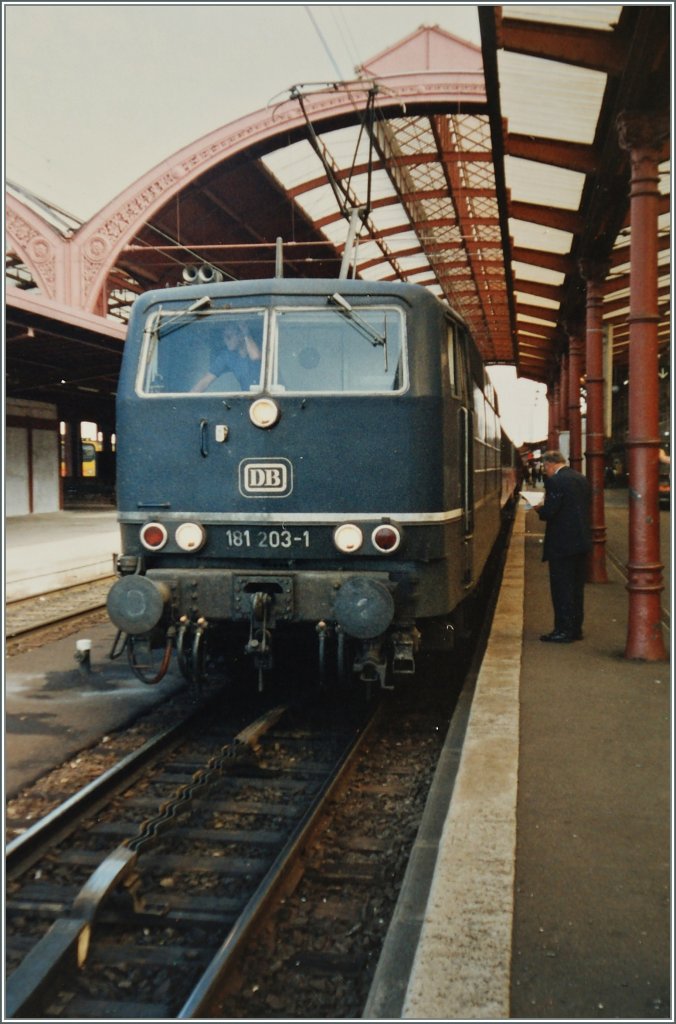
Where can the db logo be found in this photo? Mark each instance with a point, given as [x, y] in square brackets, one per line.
[274, 477]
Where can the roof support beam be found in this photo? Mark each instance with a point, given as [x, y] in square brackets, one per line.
[539, 312]
[584, 47]
[549, 260]
[535, 330]
[547, 216]
[487, 287]
[402, 160]
[544, 291]
[572, 156]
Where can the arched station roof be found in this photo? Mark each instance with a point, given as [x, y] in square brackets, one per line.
[486, 174]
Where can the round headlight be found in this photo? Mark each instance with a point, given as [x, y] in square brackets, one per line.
[348, 538]
[153, 536]
[386, 538]
[264, 413]
[190, 536]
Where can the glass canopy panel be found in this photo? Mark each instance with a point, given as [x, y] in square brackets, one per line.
[404, 240]
[412, 262]
[596, 16]
[369, 250]
[536, 236]
[536, 321]
[388, 217]
[546, 99]
[525, 272]
[531, 182]
[294, 165]
[318, 203]
[526, 297]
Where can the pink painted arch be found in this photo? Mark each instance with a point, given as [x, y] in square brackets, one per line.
[404, 78]
[38, 246]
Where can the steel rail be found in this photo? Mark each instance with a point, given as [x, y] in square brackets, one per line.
[16, 631]
[24, 849]
[53, 618]
[203, 997]
[66, 945]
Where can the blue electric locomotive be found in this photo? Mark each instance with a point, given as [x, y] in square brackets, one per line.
[311, 457]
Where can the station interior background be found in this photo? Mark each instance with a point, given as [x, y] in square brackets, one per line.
[523, 98]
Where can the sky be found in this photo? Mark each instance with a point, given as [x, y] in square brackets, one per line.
[98, 94]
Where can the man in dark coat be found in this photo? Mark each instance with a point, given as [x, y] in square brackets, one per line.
[568, 539]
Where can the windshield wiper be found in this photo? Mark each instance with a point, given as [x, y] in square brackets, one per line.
[160, 327]
[374, 336]
[155, 325]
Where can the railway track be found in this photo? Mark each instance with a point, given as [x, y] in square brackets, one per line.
[165, 882]
[36, 620]
[207, 887]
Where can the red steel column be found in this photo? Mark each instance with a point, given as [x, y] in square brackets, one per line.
[553, 432]
[563, 405]
[642, 135]
[594, 274]
[575, 348]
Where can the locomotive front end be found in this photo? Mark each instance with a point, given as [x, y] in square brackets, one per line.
[266, 438]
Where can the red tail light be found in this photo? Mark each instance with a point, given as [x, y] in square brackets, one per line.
[153, 536]
[386, 538]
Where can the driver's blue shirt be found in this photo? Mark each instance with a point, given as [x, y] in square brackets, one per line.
[247, 371]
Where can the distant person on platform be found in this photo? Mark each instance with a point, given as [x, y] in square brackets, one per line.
[568, 540]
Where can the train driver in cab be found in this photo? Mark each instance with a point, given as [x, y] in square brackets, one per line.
[237, 354]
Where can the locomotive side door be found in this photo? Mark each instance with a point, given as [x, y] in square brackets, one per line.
[461, 388]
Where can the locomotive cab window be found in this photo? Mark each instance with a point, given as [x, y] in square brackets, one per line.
[203, 350]
[331, 350]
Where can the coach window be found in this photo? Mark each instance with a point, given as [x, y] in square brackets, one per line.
[460, 366]
[479, 413]
[333, 351]
[450, 348]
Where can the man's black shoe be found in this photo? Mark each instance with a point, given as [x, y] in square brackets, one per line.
[557, 637]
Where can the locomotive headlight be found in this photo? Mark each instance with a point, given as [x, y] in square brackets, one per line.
[190, 536]
[348, 538]
[386, 538]
[153, 536]
[264, 413]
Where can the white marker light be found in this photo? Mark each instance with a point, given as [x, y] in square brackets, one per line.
[348, 538]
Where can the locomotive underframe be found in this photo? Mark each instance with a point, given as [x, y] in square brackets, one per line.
[242, 609]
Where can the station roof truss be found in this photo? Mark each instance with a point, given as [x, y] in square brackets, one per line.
[486, 174]
[565, 74]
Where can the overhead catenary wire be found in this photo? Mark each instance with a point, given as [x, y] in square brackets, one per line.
[179, 245]
[346, 35]
[324, 43]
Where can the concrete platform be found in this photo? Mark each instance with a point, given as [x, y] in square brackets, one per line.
[58, 549]
[540, 882]
[51, 709]
[549, 897]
